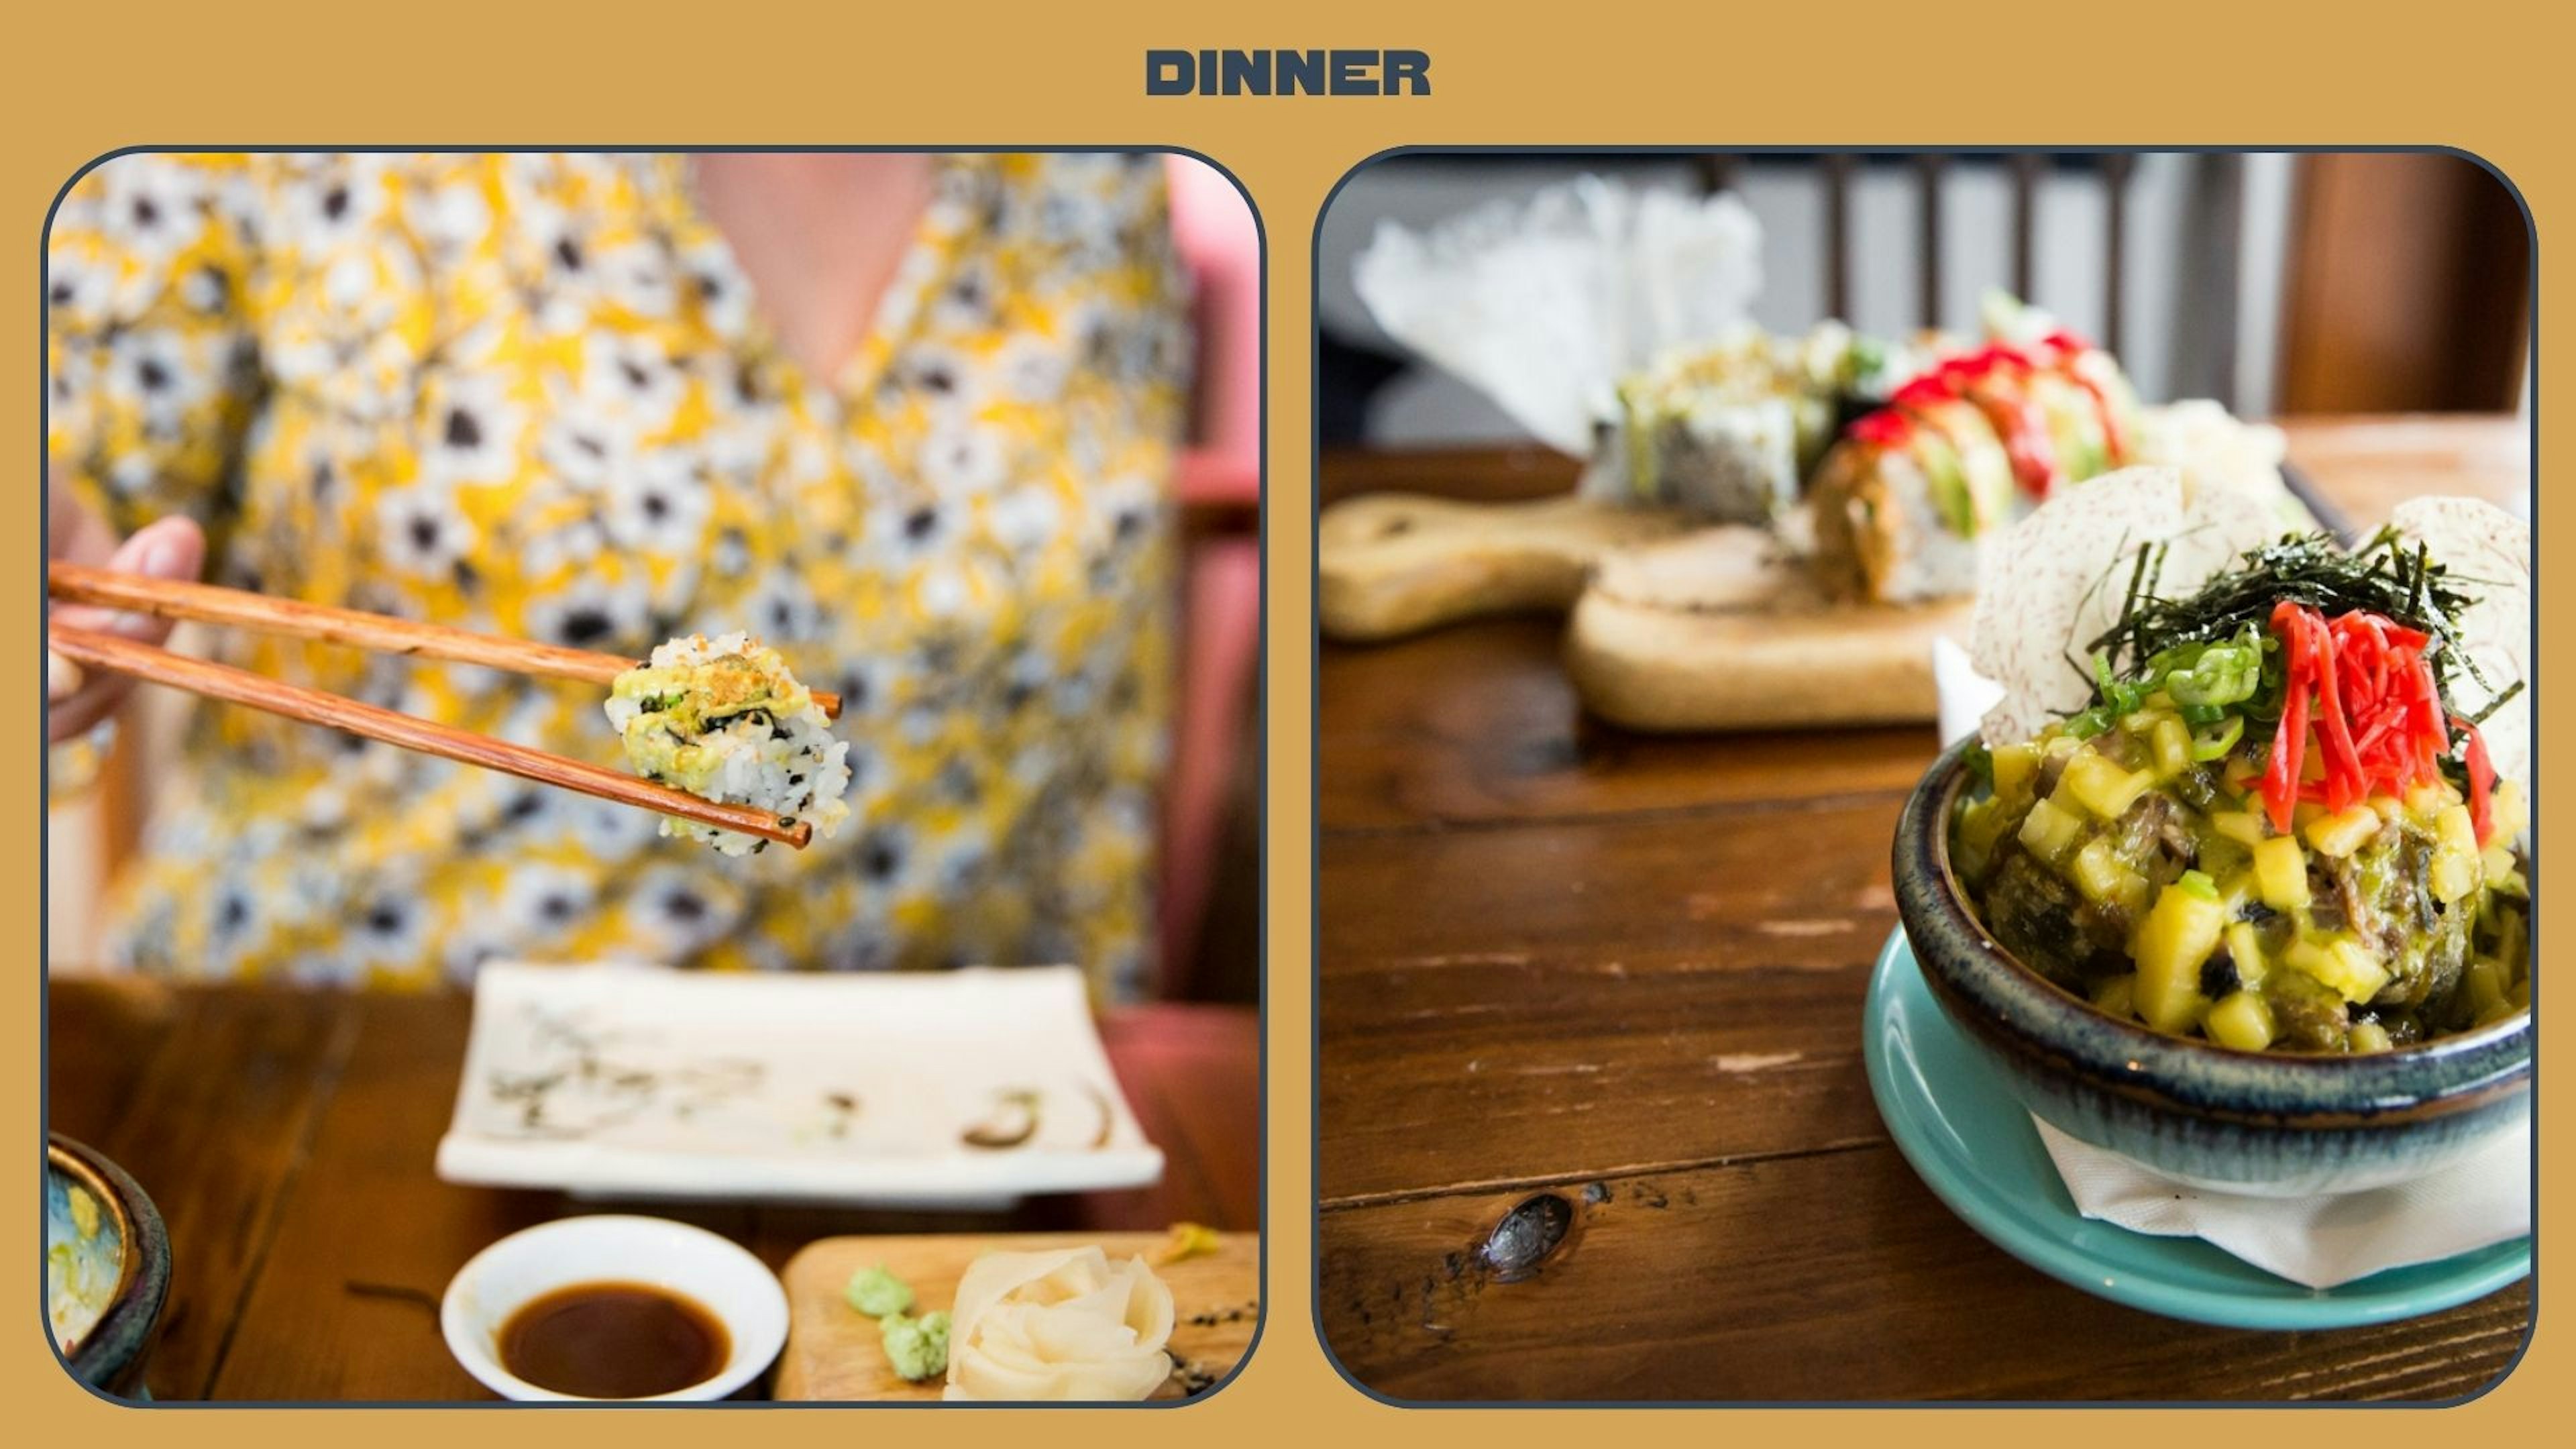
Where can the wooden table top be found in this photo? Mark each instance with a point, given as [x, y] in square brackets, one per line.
[1556, 956]
[287, 1137]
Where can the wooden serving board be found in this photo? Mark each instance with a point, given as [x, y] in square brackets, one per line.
[1674, 671]
[834, 1354]
[1723, 636]
[1392, 564]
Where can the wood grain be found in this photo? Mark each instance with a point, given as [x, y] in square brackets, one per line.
[1391, 564]
[1478, 725]
[1832, 1275]
[2408, 286]
[320, 707]
[212, 1151]
[835, 1354]
[1557, 958]
[1672, 671]
[288, 1135]
[1538, 1003]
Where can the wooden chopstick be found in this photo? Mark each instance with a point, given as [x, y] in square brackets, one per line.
[379, 633]
[313, 706]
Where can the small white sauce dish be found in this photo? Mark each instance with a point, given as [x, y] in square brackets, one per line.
[718, 1274]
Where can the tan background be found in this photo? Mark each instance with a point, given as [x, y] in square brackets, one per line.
[94, 78]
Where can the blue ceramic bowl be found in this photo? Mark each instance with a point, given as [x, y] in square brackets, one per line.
[107, 1268]
[2273, 1124]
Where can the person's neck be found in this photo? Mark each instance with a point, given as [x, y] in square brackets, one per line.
[820, 235]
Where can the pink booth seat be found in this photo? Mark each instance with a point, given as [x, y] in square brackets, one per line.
[1220, 495]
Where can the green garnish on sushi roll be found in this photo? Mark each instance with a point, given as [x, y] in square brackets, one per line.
[724, 719]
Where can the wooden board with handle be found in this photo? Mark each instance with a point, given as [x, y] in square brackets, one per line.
[1676, 626]
[834, 1353]
[1671, 671]
[1728, 628]
[1392, 564]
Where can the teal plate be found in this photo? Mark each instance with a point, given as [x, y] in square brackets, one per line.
[1957, 1121]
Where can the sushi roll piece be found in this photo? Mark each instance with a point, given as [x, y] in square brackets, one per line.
[1716, 432]
[2063, 405]
[1960, 449]
[1901, 503]
[723, 718]
[2052, 407]
[1731, 432]
[1730, 461]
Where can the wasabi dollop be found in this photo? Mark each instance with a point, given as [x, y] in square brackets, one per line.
[916, 1347]
[878, 1293]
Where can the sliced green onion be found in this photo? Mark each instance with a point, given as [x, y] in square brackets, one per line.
[2197, 883]
[2208, 744]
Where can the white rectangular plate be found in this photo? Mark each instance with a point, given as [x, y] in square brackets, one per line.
[920, 1090]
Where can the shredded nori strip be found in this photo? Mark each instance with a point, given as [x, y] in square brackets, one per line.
[2384, 576]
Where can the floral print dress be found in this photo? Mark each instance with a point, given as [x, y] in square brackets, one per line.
[532, 394]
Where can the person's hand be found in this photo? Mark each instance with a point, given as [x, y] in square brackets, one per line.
[169, 548]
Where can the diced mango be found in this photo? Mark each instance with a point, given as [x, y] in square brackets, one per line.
[2508, 811]
[2281, 873]
[2368, 1036]
[2352, 969]
[2497, 861]
[2096, 781]
[2116, 996]
[2242, 826]
[2014, 764]
[2341, 834]
[2104, 878]
[2455, 830]
[2453, 874]
[2245, 948]
[2361, 975]
[2172, 944]
[2243, 1021]
[2172, 742]
[2049, 830]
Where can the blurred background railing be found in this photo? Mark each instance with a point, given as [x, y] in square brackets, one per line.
[2277, 283]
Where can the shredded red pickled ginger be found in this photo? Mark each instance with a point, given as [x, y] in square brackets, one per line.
[2362, 685]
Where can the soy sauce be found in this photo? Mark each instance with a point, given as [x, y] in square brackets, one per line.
[613, 1341]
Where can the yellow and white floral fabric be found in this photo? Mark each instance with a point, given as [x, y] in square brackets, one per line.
[533, 394]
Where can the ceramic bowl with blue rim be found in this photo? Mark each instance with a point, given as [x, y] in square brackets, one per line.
[2272, 1124]
[107, 1268]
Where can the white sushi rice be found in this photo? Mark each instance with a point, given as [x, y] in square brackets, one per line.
[776, 754]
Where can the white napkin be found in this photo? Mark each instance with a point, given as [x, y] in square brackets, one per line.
[1543, 303]
[1965, 695]
[2483, 1199]
[2319, 1241]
